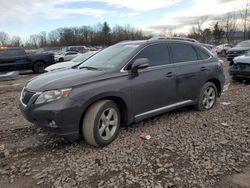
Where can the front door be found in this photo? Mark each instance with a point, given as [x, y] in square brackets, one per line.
[154, 88]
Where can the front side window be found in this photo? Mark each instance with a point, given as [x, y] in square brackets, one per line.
[157, 54]
[183, 53]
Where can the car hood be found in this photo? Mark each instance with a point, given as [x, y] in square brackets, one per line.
[59, 66]
[239, 49]
[242, 59]
[63, 79]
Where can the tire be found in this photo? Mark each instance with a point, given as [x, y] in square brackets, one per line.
[39, 67]
[207, 97]
[61, 60]
[96, 127]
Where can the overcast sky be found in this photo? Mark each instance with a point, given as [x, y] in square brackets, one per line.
[25, 17]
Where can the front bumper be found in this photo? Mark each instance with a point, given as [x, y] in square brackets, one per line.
[239, 73]
[61, 117]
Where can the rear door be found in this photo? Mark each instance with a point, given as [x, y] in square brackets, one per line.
[154, 87]
[191, 70]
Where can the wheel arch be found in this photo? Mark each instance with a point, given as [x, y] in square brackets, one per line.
[216, 82]
[123, 107]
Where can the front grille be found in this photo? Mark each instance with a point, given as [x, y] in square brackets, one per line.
[26, 96]
[242, 66]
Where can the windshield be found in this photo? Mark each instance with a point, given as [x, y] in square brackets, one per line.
[83, 57]
[243, 44]
[110, 57]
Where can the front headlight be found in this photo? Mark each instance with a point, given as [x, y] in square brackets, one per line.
[52, 95]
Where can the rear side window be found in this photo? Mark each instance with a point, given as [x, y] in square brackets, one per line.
[157, 54]
[202, 54]
[183, 53]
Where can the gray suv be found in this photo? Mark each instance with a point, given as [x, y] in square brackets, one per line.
[122, 84]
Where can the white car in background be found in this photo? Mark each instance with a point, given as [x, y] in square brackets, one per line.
[74, 62]
[222, 49]
[66, 56]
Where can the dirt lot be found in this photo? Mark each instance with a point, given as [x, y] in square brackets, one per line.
[187, 149]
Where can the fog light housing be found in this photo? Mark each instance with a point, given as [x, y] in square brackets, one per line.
[53, 124]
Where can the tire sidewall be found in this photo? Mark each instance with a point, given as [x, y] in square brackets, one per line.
[37, 69]
[97, 137]
[203, 89]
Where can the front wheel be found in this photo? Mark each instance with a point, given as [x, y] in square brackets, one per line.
[207, 97]
[101, 123]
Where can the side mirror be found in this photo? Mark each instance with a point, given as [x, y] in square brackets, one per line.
[140, 63]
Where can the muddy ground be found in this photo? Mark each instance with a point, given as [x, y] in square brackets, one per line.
[187, 148]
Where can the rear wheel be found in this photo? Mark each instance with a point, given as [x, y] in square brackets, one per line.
[101, 123]
[39, 67]
[61, 60]
[207, 97]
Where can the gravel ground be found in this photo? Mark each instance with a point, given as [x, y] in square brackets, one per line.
[187, 148]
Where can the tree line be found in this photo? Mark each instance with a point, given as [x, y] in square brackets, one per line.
[99, 35]
[231, 28]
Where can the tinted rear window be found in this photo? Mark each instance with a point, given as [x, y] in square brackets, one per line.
[157, 54]
[183, 53]
[202, 54]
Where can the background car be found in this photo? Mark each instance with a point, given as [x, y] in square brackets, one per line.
[66, 56]
[122, 84]
[12, 59]
[223, 49]
[74, 62]
[240, 49]
[240, 68]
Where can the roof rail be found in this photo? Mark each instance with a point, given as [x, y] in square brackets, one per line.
[175, 38]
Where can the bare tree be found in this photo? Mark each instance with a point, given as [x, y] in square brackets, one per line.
[200, 23]
[229, 26]
[15, 41]
[167, 32]
[4, 38]
[197, 31]
[245, 18]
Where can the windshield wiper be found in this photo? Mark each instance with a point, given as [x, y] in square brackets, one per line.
[89, 68]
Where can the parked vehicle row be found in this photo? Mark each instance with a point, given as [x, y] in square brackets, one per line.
[223, 49]
[16, 59]
[122, 84]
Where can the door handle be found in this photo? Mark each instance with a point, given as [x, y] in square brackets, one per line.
[170, 74]
[203, 69]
